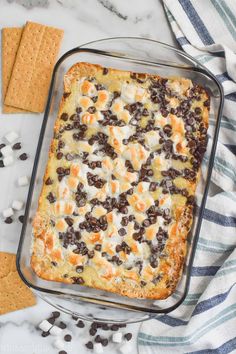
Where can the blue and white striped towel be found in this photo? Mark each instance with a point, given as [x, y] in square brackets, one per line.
[206, 321]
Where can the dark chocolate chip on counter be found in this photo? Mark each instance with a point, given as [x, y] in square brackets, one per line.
[67, 338]
[105, 327]
[92, 331]
[114, 327]
[128, 336]
[23, 157]
[56, 314]
[21, 218]
[98, 339]
[16, 146]
[89, 345]
[8, 220]
[62, 325]
[45, 334]
[80, 324]
[104, 342]
[51, 320]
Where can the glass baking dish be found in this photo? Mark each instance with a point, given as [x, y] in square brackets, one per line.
[137, 55]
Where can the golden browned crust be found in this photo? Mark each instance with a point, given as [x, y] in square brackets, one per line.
[185, 108]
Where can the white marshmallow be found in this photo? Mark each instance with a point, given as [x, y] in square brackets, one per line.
[59, 344]
[97, 348]
[117, 337]
[7, 213]
[12, 136]
[8, 160]
[126, 348]
[6, 151]
[23, 181]
[55, 331]
[17, 204]
[45, 326]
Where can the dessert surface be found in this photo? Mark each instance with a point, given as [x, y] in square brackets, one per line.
[117, 200]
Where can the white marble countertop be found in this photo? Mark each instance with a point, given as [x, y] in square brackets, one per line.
[83, 21]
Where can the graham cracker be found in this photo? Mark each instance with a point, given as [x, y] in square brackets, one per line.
[35, 59]
[14, 294]
[10, 42]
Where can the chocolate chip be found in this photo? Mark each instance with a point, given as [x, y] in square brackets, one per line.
[69, 221]
[51, 198]
[78, 280]
[104, 342]
[114, 327]
[51, 320]
[122, 232]
[2, 146]
[105, 327]
[91, 254]
[91, 109]
[56, 314]
[98, 247]
[80, 324]
[23, 156]
[118, 248]
[48, 181]
[62, 325]
[89, 345]
[79, 269]
[59, 155]
[105, 71]
[98, 339]
[16, 146]
[64, 116]
[45, 334]
[128, 336]
[67, 338]
[198, 110]
[21, 218]
[62, 351]
[92, 331]
[124, 221]
[8, 220]
[152, 186]
[69, 127]
[153, 262]
[146, 223]
[150, 173]
[69, 157]
[123, 210]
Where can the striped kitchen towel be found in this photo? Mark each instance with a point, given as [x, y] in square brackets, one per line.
[206, 321]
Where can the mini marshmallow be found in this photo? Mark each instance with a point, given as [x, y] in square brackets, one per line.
[6, 151]
[55, 331]
[45, 326]
[12, 136]
[97, 348]
[17, 205]
[59, 344]
[8, 160]
[7, 213]
[117, 337]
[23, 181]
[126, 348]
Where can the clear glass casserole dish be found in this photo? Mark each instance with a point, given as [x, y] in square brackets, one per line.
[137, 55]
